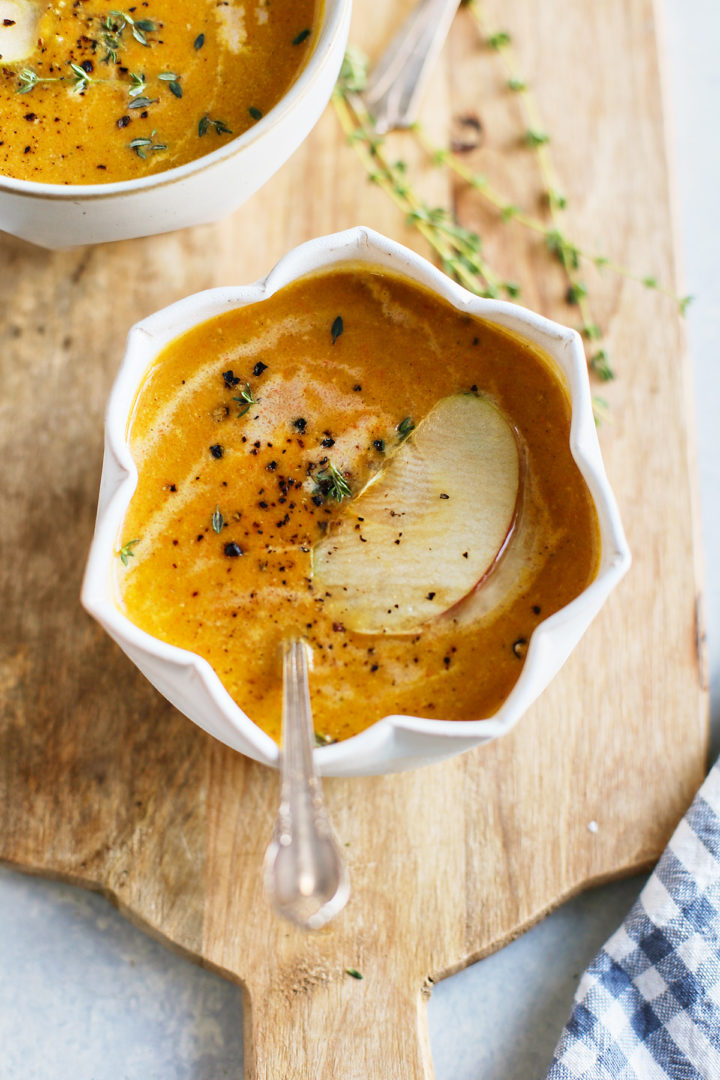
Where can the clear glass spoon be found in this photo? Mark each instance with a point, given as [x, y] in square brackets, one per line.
[306, 879]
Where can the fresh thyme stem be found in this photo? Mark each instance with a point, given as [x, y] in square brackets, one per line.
[358, 127]
[459, 248]
[537, 138]
[509, 212]
[535, 130]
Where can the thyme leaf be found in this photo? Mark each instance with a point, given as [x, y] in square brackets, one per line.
[28, 80]
[82, 78]
[337, 328]
[206, 122]
[218, 520]
[126, 551]
[533, 137]
[140, 28]
[199, 42]
[142, 102]
[499, 40]
[172, 79]
[302, 36]
[137, 84]
[353, 973]
[143, 144]
[600, 365]
[404, 428]
[576, 291]
[246, 399]
[331, 483]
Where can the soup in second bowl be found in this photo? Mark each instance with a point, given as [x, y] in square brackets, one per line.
[356, 460]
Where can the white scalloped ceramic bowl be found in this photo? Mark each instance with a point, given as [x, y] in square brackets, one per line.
[395, 742]
[207, 189]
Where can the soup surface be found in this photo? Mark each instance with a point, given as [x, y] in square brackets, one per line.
[96, 94]
[240, 432]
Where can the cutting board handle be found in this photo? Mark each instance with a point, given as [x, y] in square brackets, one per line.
[337, 1028]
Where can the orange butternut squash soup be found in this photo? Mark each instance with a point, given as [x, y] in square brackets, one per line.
[91, 94]
[355, 460]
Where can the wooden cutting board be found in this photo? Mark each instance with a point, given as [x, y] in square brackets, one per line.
[103, 783]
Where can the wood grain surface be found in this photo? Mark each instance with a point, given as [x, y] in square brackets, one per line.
[103, 783]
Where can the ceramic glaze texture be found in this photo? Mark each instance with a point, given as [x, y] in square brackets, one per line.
[189, 682]
[201, 191]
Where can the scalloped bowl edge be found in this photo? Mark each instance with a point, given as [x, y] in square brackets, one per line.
[394, 743]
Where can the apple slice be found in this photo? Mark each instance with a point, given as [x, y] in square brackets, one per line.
[427, 528]
[18, 23]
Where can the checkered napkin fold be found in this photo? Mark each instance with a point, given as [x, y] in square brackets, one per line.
[648, 1007]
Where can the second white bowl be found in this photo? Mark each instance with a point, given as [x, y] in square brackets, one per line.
[395, 742]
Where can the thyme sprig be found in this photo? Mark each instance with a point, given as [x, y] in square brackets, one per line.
[331, 483]
[568, 253]
[126, 551]
[536, 138]
[245, 399]
[461, 249]
[82, 79]
[113, 27]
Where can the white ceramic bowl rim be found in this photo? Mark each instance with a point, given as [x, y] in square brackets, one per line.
[145, 341]
[331, 22]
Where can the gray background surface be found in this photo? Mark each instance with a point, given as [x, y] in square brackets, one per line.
[85, 996]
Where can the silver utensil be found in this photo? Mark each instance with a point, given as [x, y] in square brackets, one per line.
[306, 878]
[397, 81]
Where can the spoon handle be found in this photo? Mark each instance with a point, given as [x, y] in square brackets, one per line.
[305, 875]
[397, 80]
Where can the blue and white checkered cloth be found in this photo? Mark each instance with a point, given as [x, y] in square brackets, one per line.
[648, 1007]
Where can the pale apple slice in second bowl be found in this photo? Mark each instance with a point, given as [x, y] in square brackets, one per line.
[429, 526]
